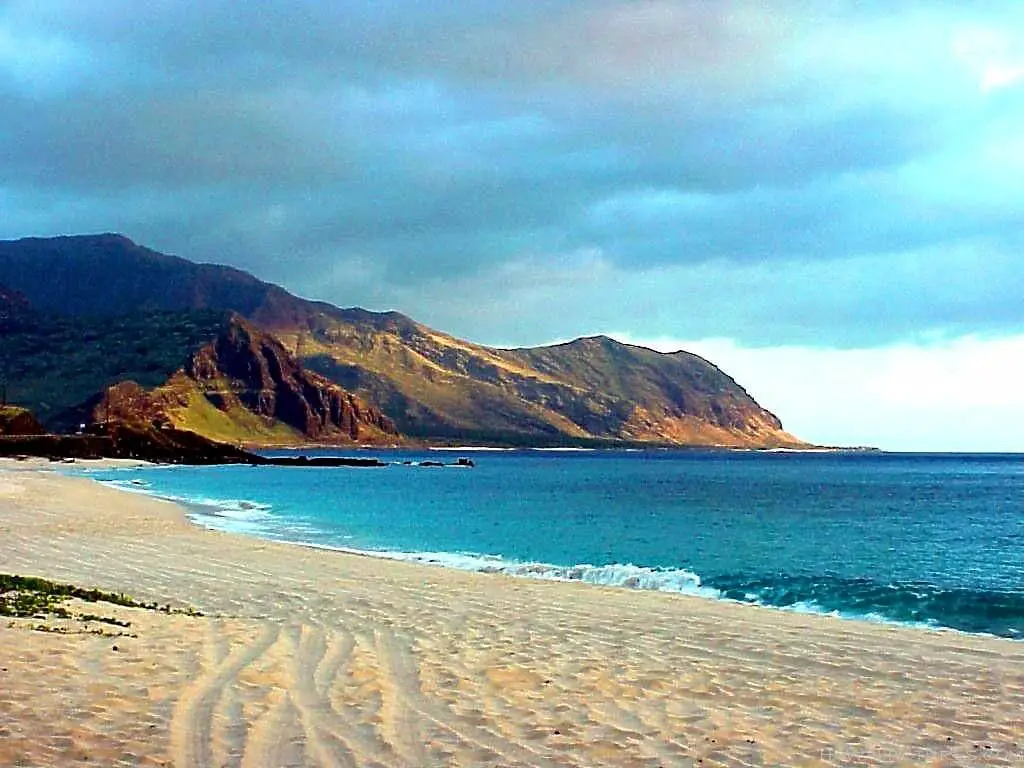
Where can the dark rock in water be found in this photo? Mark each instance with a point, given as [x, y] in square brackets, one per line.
[319, 461]
[434, 463]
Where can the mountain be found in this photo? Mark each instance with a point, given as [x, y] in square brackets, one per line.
[15, 315]
[672, 398]
[15, 309]
[430, 384]
[434, 385]
[109, 275]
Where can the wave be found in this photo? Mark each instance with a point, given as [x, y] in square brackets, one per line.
[135, 486]
[233, 509]
[614, 575]
[916, 603]
[236, 515]
[468, 448]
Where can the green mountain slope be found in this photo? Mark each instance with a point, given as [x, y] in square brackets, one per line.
[53, 365]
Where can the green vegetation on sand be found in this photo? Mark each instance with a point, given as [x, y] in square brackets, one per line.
[36, 598]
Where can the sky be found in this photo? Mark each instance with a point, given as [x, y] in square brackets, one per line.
[824, 198]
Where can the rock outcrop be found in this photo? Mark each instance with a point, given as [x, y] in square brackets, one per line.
[246, 366]
[18, 421]
[129, 441]
[244, 386]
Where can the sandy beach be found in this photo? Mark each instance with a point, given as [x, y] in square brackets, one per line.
[307, 657]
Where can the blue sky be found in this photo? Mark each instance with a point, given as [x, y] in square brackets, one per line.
[824, 198]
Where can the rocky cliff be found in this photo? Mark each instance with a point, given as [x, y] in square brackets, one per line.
[651, 396]
[244, 386]
[247, 367]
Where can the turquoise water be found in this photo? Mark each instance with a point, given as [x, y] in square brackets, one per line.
[924, 539]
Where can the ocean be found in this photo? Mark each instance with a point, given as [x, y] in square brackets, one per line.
[934, 540]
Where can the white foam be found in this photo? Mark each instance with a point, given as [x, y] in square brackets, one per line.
[130, 486]
[812, 607]
[468, 448]
[204, 509]
[235, 509]
[615, 575]
[234, 515]
[564, 450]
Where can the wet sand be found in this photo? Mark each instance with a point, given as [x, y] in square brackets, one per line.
[307, 657]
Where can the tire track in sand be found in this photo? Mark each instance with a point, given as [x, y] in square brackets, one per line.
[408, 708]
[192, 719]
[401, 723]
[331, 737]
[270, 740]
[336, 657]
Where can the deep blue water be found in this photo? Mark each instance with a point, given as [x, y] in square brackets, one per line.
[935, 539]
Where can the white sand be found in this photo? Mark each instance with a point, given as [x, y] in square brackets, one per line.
[307, 657]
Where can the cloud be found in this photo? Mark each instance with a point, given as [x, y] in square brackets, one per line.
[827, 173]
[872, 300]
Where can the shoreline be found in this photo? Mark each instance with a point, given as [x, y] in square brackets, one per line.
[222, 515]
[307, 655]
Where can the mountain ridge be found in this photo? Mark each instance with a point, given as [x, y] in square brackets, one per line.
[49, 271]
[432, 385]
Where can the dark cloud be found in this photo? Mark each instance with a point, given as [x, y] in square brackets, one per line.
[828, 172]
